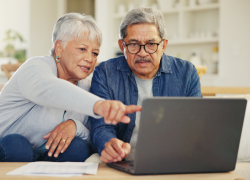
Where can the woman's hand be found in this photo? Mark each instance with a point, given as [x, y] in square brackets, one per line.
[114, 111]
[60, 137]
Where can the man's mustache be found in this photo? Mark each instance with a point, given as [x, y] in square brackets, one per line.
[142, 60]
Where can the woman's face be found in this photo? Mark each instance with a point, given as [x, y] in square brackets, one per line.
[77, 59]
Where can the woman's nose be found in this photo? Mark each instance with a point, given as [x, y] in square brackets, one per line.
[88, 57]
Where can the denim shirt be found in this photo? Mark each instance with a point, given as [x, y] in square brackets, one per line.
[113, 79]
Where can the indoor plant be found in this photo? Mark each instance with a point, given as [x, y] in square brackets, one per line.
[11, 57]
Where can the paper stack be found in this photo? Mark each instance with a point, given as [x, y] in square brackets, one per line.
[61, 169]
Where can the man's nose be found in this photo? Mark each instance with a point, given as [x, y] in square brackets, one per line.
[142, 52]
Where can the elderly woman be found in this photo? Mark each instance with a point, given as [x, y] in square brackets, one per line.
[44, 107]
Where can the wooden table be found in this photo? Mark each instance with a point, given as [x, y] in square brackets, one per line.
[8, 68]
[212, 91]
[1, 86]
[106, 173]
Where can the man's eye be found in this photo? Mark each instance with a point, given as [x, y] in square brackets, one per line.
[133, 44]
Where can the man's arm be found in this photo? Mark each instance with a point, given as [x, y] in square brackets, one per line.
[195, 85]
[104, 136]
[115, 150]
[101, 133]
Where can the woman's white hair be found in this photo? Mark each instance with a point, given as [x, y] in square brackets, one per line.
[74, 25]
[142, 15]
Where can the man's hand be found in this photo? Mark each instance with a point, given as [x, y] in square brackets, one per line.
[115, 150]
[60, 137]
[114, 111]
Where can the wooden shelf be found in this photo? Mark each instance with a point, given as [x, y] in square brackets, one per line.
[210, 76]
[171, 11]
[181, 22]
[201, 7]
[185, 9]
[193, 41]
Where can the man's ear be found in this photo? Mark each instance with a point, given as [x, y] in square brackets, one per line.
[164, 45]
[58, 48]
[120, 43]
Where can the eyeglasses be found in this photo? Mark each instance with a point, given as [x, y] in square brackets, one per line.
[135, 48]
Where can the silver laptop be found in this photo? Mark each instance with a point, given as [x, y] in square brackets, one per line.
[187, 135]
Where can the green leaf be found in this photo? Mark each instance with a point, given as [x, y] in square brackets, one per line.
[20, 55]
[9, 50]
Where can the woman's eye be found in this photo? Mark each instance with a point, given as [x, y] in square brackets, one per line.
[96, 54]
[82, 49]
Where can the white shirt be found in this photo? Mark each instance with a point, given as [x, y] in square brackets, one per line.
[144, 91]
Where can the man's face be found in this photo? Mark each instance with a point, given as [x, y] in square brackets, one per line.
[143, 64]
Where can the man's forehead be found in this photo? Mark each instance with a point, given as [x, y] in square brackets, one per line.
[130, 40]
[142, 32]
[142, 24]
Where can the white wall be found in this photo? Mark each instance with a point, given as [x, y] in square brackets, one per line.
[44, 14]
[102, 15]
[235, 43]
[43, 17]
[234, 47]
[34, 20]
[14, 15]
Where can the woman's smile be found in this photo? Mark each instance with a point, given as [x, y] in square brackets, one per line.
[84, 68]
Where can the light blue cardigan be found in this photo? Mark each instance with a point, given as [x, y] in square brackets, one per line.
[33, 101]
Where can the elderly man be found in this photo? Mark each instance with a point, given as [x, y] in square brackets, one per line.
[144, 71]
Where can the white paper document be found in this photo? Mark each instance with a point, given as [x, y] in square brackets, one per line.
[61, 169]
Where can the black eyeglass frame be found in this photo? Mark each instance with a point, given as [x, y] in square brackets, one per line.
[141, 46]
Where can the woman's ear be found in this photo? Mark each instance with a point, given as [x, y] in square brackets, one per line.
[58, 48]
[120, 43]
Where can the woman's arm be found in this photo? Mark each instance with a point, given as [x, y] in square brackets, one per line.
[38, 83]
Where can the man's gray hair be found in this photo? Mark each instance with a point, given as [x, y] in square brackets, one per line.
[73, 25]
[142, 15]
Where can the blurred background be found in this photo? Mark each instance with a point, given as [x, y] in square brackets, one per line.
[212, 34]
